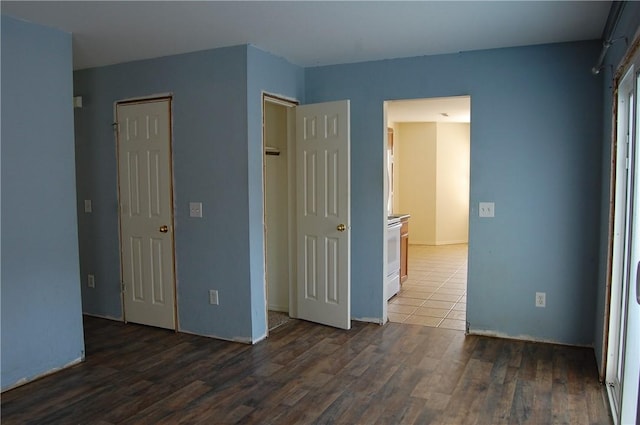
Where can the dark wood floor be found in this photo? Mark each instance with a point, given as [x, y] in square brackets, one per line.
[306, 373]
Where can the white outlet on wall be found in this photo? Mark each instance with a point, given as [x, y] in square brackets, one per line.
[541, 299]
[213, 297]
[195, 209]
[91, 281]
[487, 209]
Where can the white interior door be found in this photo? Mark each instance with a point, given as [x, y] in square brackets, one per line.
[631, 302]
[323, 213]
[623, 349]
[146, 212]
[621, 240]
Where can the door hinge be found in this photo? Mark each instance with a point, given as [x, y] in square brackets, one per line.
[123, 288]
[115, 126]
[626, 154]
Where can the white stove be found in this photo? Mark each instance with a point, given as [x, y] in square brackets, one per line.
[392, 280]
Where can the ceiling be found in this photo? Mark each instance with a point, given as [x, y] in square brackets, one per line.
[309, 33]
[314, 33]
[441, 109]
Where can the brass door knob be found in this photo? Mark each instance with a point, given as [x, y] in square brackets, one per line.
[341, 227]
[164, 229]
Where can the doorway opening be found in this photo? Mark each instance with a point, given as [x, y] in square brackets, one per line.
[279, 209]
[307, 210]
[428, 179]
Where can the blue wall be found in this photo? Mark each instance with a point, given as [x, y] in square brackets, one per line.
[41, 306]
[627, 27]
[217, 159]
[535, 151]
[273, 75]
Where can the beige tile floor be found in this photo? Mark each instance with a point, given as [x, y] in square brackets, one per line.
[435, 293]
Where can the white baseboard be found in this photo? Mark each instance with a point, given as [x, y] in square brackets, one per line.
[241, 339]
[454, 242]
[280, 308]
[23, 381]
[527, 338]
[437, 243]
[100, 316]
[376, 320]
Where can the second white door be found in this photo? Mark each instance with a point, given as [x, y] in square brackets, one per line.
[146, 212]
[323, 213]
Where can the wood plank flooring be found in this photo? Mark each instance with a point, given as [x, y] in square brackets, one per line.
[306, 373]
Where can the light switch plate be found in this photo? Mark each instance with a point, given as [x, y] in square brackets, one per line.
[195, 209]
[487, 209]
[213, 297]
[87, 205]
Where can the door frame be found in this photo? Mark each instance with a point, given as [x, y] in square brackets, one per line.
[385, 168]
[385, 201]
[290, 104]
[615, 320]
[620, 72]
[624, 173]
[146, 99]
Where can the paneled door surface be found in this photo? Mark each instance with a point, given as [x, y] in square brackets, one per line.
[146, 212]
[323, 213]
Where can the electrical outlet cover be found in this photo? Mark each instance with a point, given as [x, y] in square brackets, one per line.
[195, 209]
[486, 209]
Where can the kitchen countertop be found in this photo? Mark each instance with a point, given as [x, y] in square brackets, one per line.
[396, 218]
